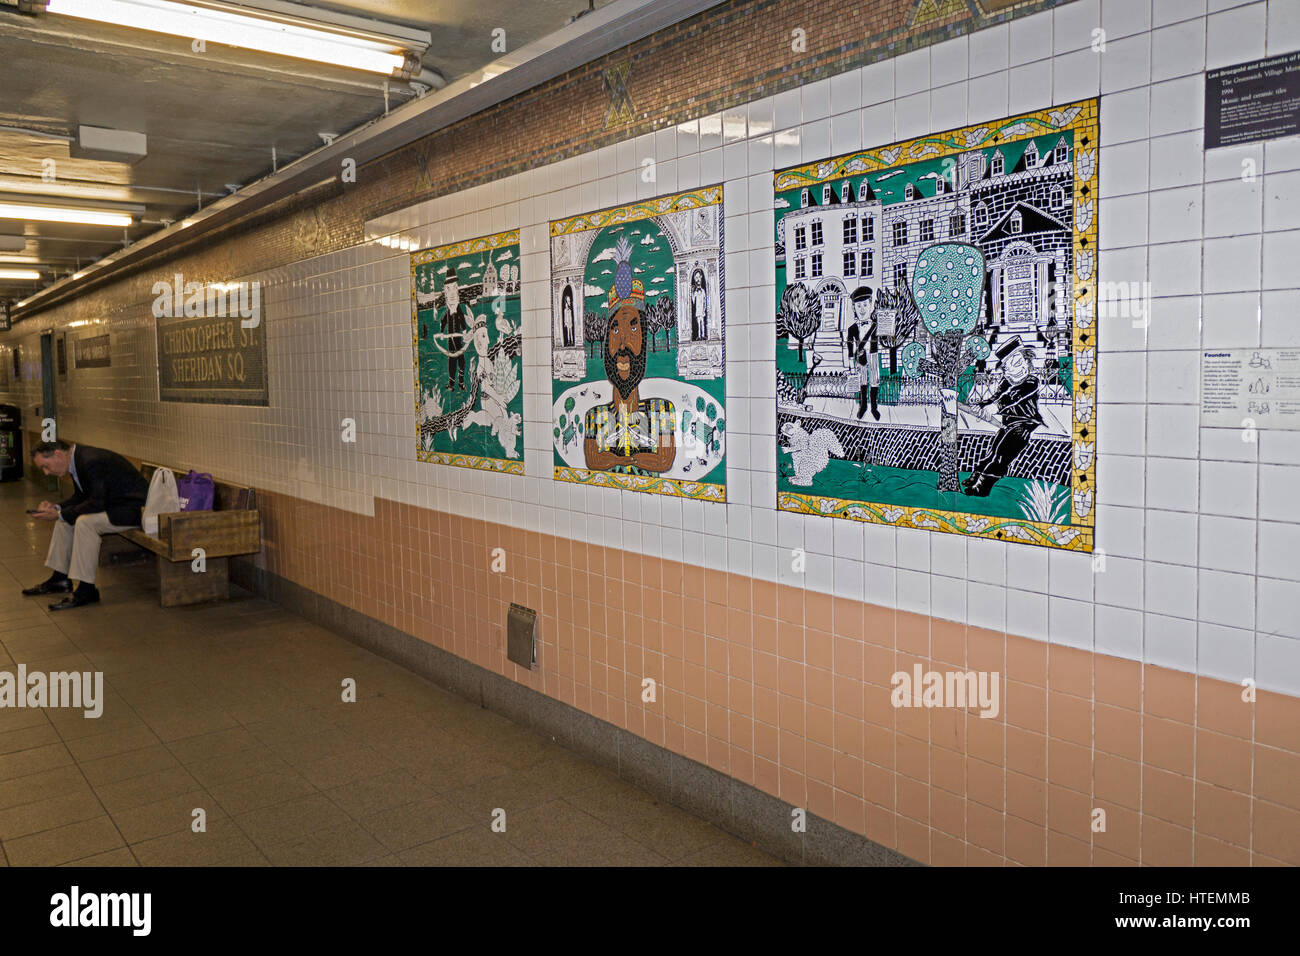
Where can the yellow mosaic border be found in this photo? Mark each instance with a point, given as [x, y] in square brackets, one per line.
[644, 209]
[1082, 117]
[478, 244]
[1063, 536]
[673, 487]
[508, 466]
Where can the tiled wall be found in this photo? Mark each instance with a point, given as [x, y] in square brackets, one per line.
[788, 690]
[1123, 685]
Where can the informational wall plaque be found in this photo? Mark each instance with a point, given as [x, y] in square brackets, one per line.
[1251, 388]
[93, 352]
[936, 334]
[1253, 101]
[212, 360]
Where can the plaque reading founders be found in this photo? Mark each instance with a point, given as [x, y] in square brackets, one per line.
[212, 355]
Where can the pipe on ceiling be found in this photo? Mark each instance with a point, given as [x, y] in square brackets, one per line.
[586, 38]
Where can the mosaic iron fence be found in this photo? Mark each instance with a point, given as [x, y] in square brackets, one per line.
[900, 391]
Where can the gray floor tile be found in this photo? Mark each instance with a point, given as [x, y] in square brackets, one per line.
[474, 846]
[48, 814]
[222, 842]
[234, 707]
[63, 844]
[347, 844]
[125, 766]
[169, 815]
[145, 789]
[264, 790]
[385, 791]
[293, 818]
[407, 826]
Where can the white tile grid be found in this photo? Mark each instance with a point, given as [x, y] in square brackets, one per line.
[1197, 538]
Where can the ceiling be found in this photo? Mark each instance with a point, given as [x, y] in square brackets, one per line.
[214, 121]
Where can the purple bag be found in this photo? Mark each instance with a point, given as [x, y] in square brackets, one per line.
[196, 491]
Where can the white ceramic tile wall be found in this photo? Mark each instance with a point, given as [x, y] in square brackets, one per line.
[1198, 532]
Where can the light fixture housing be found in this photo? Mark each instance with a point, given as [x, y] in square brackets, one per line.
[109, 145]
[286, 29]
[33, 212]
[20, 274]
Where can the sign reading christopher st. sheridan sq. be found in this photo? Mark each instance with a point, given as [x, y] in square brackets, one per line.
[211, 344]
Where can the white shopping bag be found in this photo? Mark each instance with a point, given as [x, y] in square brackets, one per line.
[162, 499]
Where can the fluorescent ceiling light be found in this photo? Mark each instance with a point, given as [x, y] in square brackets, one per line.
[247, 28]
[19, 274]
[81, 217]
[19, 259]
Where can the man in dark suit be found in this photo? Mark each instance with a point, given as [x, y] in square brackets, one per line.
[864, 350]
[108, 496]
[457, 319]
[1017, 400]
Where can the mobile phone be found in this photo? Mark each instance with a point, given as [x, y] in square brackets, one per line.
[33, 511]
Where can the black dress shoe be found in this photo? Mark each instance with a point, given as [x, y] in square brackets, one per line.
[49, 586]
[78, 598]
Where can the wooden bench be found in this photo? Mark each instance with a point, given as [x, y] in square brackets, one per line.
[232, 528]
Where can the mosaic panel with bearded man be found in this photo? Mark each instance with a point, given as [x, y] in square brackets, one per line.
[629, 435]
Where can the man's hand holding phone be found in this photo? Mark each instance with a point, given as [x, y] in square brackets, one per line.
[46, 512]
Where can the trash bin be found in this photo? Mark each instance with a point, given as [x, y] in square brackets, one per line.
[11, 443]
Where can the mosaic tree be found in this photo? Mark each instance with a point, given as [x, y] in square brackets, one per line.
[660, 316]
[594, 328]
[800, 315]
[947, 291]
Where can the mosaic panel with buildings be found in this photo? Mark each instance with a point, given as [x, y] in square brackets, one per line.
[936, 331]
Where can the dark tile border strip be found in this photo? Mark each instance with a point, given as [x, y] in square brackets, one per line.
[729, 804]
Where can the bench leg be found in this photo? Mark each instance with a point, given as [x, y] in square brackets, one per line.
[178, 584]
[115, 549]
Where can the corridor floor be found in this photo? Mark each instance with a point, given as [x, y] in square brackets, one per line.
[235, 709]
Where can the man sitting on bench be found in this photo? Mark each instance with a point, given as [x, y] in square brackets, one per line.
[109, 495]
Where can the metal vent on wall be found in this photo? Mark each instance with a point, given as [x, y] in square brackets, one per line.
[521, 635]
